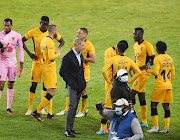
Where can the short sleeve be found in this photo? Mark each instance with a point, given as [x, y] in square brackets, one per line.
[29, 34]
[150, 49]
[58, 37]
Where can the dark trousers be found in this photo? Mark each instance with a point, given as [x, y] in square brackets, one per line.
[74, 98]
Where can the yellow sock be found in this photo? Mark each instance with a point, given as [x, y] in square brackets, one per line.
[43, 103]
[103, 126]
[144, 113]
[155, 121]
[43, 93]
[31, 100]
[67, 104]
[49, 107]
[134, 106]
[167, 122]
[84, 101]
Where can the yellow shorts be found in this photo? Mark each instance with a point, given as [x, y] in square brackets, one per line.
[36, 72]
[87, 74]
[108, 88]
[49, 77]
[162, 95]
[139, 84]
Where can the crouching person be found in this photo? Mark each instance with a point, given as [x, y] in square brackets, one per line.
[124, 125]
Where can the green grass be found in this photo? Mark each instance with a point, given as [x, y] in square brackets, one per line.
[108, 21]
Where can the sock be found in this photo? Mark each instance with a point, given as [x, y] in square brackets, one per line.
[67, 104]
[155, 120]
[103, 126]
[84, 101]
[0, 94]
[144, 113]
[31, 100]
[134, 106]
[9, 97]
[45, 100]
[167, 122]
[49, 107]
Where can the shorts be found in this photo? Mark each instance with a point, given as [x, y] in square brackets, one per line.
[108, 88]
[49, 78]
[36, 72]
[8, 72]
[139, 84]
[87, 74]
[162, 95]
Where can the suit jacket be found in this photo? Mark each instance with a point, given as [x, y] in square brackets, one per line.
[72, 73]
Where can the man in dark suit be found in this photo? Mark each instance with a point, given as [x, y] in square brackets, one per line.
[73, 74]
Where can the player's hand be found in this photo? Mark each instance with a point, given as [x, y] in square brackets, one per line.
[59, 50]
[148, 70]
[59, 46]
[33, 56]
[21, 71]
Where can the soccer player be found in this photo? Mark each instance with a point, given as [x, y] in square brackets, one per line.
[164, 75]
[144, 54]
[89, 57]
[120, 62]
[49, 55]
[110, 52]
[37, 35]
[9, 40]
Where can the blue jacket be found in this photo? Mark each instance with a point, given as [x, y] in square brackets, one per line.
[124, 127]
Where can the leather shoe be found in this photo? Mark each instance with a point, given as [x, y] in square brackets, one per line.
[74, 132]
[69, 134]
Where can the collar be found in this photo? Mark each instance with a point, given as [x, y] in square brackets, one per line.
[125, 113]
[49, 37]
[75, 51]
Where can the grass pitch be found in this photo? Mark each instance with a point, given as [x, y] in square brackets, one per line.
[108, 22]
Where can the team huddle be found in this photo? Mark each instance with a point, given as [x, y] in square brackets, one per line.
[75, 71]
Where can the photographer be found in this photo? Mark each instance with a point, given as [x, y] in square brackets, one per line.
[124, 125]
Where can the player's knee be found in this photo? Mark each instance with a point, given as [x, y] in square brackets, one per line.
[44, 88]
[167, 114]
[10, 84]
[1, 86]
[48, 96]
[33, 87]
[103, 121]
[154, 111]
[142, 103]
[85, 96]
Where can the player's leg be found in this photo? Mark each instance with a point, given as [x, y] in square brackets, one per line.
[84, 93]
[10, 93]
[167, 100]
[133, 98]
[154, 115]
[12, 71]
[3, 76]
[1, 87]
[36, 73]
[166, 117]
[49, 106]
[143, 108]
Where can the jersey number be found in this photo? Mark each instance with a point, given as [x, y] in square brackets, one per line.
[163, 74]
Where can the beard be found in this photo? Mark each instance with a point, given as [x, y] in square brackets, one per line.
[55, 35]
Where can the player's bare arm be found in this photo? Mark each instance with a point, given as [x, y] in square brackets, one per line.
[33, 56]
[91, 58]
[151, 59]
[61, 42]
